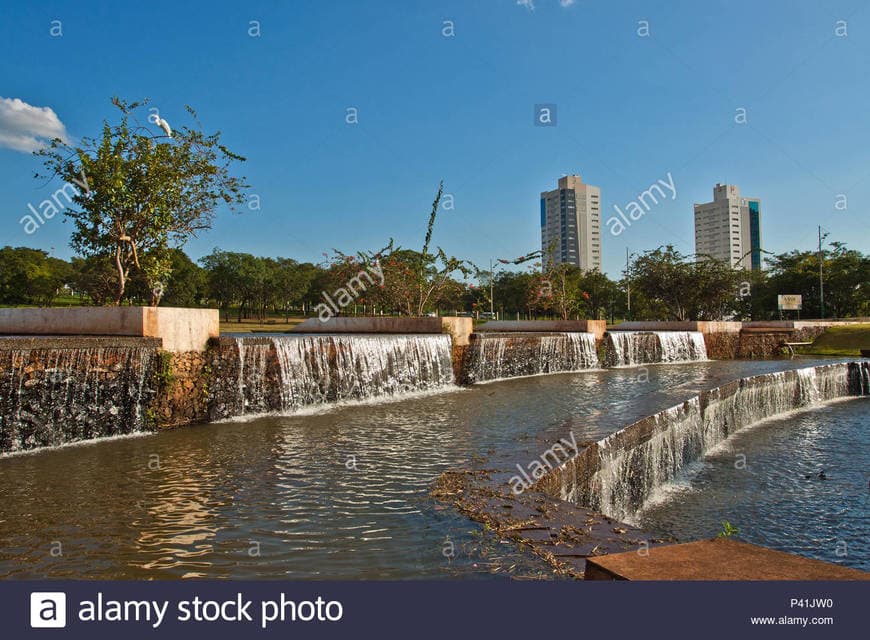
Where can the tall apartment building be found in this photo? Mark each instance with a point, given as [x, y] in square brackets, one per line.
[571, 224]
[729, 228]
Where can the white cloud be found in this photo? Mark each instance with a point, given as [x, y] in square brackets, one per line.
[26, 128]
[530, 4]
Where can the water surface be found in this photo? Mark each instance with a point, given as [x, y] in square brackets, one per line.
[797, 483]
[337, 493]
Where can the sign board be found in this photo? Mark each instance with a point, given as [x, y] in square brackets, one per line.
[789, 302]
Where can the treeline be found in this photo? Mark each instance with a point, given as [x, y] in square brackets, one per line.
[661, 284]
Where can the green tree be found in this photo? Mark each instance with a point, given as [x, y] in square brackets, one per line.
[598, 294]
[414, 281]
[668, 285]
[31, 276]
[95, 277]
[186, 286]
[846, 274]
[291, 283]
[223, 270]
[142, 193]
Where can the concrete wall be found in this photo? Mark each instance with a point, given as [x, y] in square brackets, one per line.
[459, 328]
[728, 326]
[597, 327]
[179, 329]
[688, 325]
[374, 324]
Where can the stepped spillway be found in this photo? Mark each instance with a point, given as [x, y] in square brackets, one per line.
[284, 373]
[493, 356]
[58, 391]
[618, 474]
[632, 348]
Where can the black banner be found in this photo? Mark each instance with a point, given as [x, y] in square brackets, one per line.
[85, 609]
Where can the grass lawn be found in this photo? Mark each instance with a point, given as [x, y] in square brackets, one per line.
[840, 341]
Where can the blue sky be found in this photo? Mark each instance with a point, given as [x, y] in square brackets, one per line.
[630, 109]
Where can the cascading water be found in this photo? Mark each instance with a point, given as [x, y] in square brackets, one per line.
[506, 355]
[619, 473]
[631, 348]
[54, 396]
[284, 373]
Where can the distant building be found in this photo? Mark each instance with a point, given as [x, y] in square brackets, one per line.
[729, 228]
[571, 224]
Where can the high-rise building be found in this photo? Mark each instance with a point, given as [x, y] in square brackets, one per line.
[729, 228]
[571, 224]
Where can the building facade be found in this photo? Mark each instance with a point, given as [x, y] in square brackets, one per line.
[729, 228]
[571, 224]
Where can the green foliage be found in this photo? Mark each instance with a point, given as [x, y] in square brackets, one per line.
[414, 282]
[846, 278]
[31, 276]
[728, 530]
[186, 285]
[142, 193]
[163, 373]
[151, 418]
[95, 277]
[667, 285]
[255, 284]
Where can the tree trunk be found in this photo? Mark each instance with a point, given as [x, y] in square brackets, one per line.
[121, 279]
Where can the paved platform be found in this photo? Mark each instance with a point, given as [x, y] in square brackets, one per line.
[717, 559]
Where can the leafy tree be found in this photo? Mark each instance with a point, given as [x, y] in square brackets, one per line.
[291, 282]
[143, 193]
[511, 291]
[846, 275]
[670, 286]
[598, 294]
[187, 281]
[31, 276]
[223, 269]
[95, 277]
[414, 282]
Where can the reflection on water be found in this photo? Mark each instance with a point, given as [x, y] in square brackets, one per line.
[803, 487]
[337, 494]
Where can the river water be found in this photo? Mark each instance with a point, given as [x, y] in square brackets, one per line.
[338, 493]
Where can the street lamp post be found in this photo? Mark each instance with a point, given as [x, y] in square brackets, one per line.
[491, 291]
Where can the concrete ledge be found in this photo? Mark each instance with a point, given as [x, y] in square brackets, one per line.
[459, 328]
[33, 343]
[597, 327]
[688, 325]
[704, 326]
[717, 559]
[179, 329]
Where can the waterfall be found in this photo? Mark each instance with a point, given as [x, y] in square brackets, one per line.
[54, 396]
[284, 373]
[619, 473]
[631, 348]
[494, 356]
